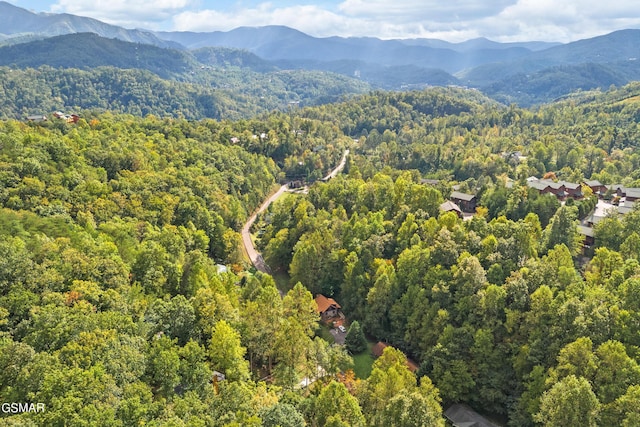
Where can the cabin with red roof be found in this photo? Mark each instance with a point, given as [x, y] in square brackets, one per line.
[327, 307]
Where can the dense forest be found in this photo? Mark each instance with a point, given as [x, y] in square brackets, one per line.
[207, 92]
[126, 299]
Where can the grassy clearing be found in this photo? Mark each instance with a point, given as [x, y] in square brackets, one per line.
[363, 362]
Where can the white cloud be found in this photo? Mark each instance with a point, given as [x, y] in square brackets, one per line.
[310, 19]
[137, 13]
[432, 10]
[561, 21]
[317, 22]
[453, 20]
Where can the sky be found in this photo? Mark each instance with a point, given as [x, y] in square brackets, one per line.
[451, 20]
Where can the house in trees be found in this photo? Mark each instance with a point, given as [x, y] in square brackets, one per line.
[561, 189]
[467, 202]
[632, 194]
[596, 186]
[572, 190]
[378, 348]
[615, 190]
[629, 194]
[555, 188]
[462, 415]
[328, 308]
[427, 181]
[36, 118]
[449, 206]
[69, 118]
[587, 236]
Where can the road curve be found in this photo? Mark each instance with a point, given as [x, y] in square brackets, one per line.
[338, 168]
[254, 255]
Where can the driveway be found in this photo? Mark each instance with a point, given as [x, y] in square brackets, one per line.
[338, 336]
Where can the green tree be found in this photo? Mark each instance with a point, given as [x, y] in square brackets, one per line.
[335, 401]
[390, 376]
[310, 261]
[194, 371]
[282, 415]
[290, 347]
[226, 352]
[299, 304]
[420, 407]
[630, 248]
[576, 358]
[608, 233]
[262, 319]
[562, 230]
[175, 318]
[616, 371]
[570, 402]
[383, 291]
[164, 365]
[355, 340]
[625, 411]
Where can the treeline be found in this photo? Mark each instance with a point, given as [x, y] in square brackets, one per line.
[88, 50]
[461, 135]
[198, 94]
[138, 92]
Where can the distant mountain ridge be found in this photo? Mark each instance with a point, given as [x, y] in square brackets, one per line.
[18, 22]
[88, 50]
[525, 73]
[279, 43]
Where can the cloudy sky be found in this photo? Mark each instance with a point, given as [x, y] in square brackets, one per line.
[452, 20]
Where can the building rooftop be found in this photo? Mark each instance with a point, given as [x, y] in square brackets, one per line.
[462, 415]
[325, 303]
[462, 196]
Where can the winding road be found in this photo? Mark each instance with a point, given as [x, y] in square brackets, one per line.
[254, 255]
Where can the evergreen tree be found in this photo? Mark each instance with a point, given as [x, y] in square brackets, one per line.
[355, 340]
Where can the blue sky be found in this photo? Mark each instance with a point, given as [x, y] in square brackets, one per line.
[452, 20]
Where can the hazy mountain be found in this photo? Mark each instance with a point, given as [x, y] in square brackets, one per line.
[19, 22]
[277, 43]
[556, 82]
[91, 72]
[88, 50]
[391, 77]
[478, 44]
[548, 74]
[613, 47]
[227, 57]
[525, 73]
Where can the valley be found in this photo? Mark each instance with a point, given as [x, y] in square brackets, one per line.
[462, 238]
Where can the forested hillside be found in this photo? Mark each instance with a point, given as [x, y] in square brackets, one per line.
[85, 71]
[207, 93]
[126, 299]
[501, 311]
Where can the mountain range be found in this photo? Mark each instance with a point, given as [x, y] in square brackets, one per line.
[524, 73]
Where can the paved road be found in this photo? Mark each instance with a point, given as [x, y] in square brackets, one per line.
[254, 255]
[338, 168]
